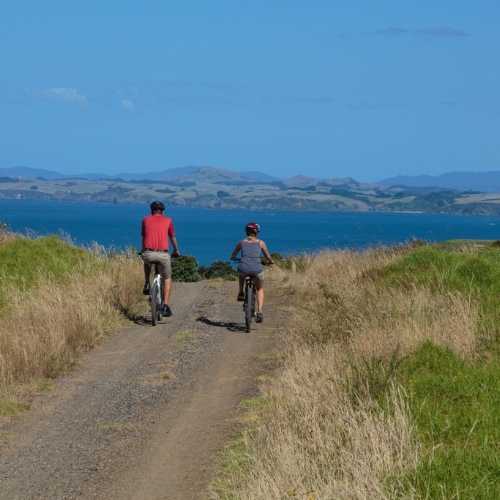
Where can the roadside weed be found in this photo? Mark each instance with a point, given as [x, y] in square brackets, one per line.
[9, 408]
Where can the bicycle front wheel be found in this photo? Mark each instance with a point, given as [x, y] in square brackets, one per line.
[249, 306]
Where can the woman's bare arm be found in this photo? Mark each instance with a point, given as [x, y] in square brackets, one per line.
[237, 248]
[266, 253]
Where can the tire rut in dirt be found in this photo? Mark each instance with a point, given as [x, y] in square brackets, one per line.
[147, 410]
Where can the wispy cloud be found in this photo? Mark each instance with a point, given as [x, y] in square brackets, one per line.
[440, 32]
[423, 32]
[61, 94]
[128, 104]
[183, 94]
[339, 35]
[308, 100]
[213, 89]
[127, 90]
[369, 105]
[392, 31]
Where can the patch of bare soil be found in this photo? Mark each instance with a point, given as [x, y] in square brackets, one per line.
[147, 412]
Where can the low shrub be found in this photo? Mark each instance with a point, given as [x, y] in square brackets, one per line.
[185, 268]
[219, 269]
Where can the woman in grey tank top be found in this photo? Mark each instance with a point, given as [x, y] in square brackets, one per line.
[251, 249]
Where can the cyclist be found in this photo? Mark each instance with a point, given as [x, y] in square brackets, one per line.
[251, 248]
[156, 229]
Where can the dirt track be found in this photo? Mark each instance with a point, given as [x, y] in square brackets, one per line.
[146, 413]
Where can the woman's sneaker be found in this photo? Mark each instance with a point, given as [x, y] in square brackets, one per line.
[147, 289]
[241, 297]
[166, 310]
[259, 318]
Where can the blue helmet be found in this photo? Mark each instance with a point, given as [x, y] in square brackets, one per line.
[156, 206]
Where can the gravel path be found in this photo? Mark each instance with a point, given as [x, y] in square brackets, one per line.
[145, 414]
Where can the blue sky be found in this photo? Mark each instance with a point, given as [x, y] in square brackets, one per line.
[324, 88]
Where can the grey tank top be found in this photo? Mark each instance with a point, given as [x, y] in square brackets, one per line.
[250, 258]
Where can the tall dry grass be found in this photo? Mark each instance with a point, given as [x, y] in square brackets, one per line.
[44, 330]
[341, 301]
[323, 433]
[5, 234]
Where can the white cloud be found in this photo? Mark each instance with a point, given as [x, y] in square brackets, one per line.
[128, 104]
[61, 94]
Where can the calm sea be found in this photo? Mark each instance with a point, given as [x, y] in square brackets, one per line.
[210, 235]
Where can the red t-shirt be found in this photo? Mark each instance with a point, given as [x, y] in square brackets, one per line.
[155, 231]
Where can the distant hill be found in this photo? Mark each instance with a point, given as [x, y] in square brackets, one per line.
[486, 182]
[35, 173]
[192, 174]
[210, 175]
[218, 188]
[157, 176]
[259, 176]
[31, 173]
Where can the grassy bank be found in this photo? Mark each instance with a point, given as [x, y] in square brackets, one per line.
[388, 382]
[388, 376]
[57, 301]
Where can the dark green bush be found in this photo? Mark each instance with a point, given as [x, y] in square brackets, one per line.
[185, 268]
[219, 269]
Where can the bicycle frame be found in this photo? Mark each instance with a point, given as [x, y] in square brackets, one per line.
[249, 301]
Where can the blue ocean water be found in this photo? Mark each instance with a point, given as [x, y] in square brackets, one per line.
[211, 235]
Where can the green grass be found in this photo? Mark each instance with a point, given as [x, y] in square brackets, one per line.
[9, 408]
[448, 270]
[28, 262]
[455, 404]
[456, 408]
[234, 458]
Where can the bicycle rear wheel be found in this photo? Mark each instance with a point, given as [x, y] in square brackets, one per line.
[154, 303]
[249, 305]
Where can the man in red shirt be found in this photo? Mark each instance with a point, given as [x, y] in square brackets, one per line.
[156, 230]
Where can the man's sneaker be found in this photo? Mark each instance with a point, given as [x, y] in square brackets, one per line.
[241, 297]
[147, 289]
[166, 310]
[259, 318]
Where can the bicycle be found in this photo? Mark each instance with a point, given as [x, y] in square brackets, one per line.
[156, 295]
[249, 300]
